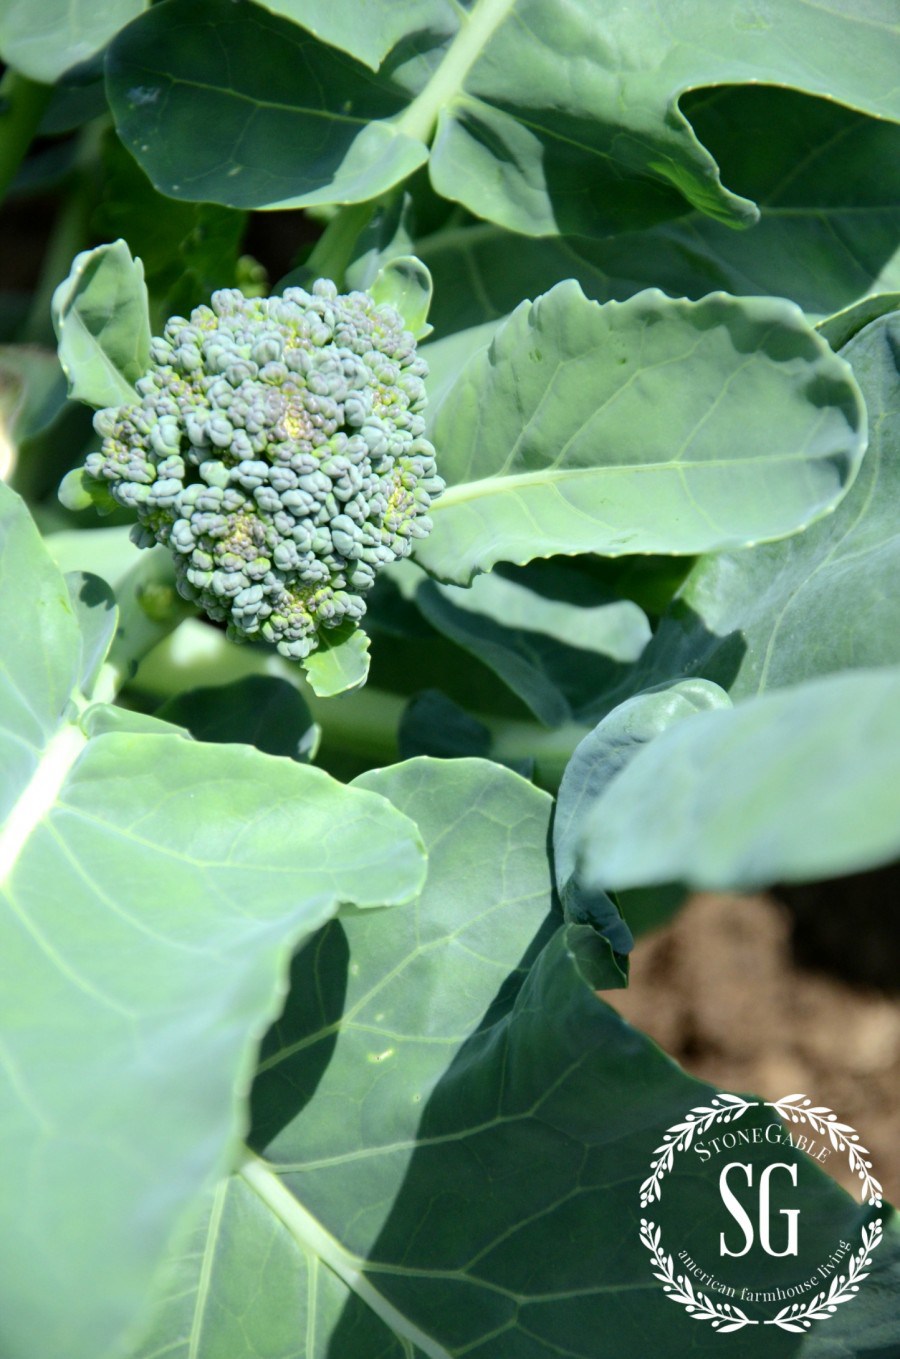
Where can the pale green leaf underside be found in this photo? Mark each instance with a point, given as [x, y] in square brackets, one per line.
[152, 890]
[828, 188]
[102, 323]
[46, 39]
[453, 1129]
[645, 426]
[789, 786]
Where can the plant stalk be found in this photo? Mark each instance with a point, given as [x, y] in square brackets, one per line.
[333, 251]
[363, 723]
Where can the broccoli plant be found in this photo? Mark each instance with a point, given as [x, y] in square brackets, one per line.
[449, 463]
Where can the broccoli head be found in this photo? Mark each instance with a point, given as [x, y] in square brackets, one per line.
[276, 449]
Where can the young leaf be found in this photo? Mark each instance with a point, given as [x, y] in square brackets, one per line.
[405, 283]
[340, 663]
[153, 889]
[645, 426]
[102, 323]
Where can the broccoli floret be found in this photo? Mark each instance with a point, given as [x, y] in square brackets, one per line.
[277, 451]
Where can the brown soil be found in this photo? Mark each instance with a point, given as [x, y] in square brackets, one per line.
[719, 990]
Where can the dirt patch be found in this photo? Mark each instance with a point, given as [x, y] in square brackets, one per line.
[719, 990]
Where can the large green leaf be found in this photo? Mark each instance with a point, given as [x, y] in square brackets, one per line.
[645, 426]
[538, 117]
[152, 891]
[819, 602]
[46, 39]
[450, 1133]
[231, 104]
[786, 787]
[102, 325]
[828, 187]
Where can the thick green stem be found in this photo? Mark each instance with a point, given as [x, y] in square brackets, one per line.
[333, 251]
[22, 103]
[363, 723]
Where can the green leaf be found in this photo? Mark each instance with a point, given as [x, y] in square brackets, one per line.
[786, 787]
[536, 118]
[450, 1131]
[843, 326]
[286, 121]
[340, 663]
[368, 32]
[644, 426]
[153, 889]
[560, 658]
[44, 40]
[102, 324]
[602, 755]
[405, 283]
[817, 603]
[260, 710]
[828, 188]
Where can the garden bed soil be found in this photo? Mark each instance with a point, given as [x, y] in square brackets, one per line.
[720, 991]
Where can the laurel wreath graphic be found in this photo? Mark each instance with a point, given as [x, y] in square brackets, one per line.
[725, 1317]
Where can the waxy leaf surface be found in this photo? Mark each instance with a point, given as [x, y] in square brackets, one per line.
[823, 601]
[152, 890]
[536, 115]
[790, 786]
[645, 426]
[450, 1130]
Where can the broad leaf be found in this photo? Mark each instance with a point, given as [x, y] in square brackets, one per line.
[451, 1131]
[786, 787]
[153, 889]
[645, 426]
[828, 189]
[102, 324]
[536, 117]
[230, 104]
[820, 602]
[45, 40]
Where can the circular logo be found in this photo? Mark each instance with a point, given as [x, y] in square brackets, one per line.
[773, 1241]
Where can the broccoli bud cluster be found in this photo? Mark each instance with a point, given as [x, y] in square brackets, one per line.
[277, 450]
